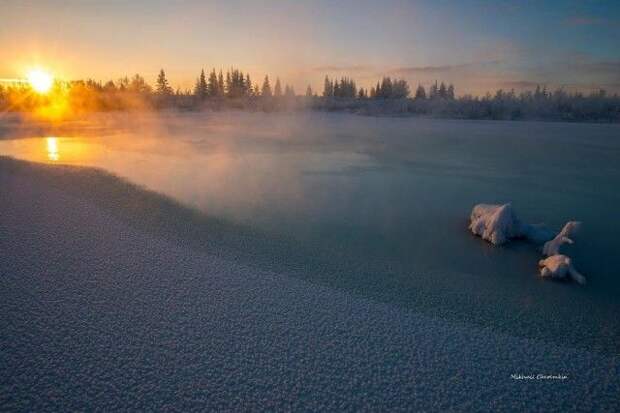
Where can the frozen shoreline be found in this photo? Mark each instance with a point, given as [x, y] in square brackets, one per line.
[97, 314]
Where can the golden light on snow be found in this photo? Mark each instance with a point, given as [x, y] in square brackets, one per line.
[40, 80]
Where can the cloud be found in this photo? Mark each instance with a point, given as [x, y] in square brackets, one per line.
[519, 84]
[427, 69]
[576, 21]
[584, 21]
[348, 69]
[608, 67]
[411, 70]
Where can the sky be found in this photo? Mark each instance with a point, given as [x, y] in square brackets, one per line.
[478, 45]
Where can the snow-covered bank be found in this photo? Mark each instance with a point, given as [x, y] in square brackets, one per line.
[95, 314]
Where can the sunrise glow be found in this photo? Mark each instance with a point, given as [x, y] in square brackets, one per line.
[40, 80]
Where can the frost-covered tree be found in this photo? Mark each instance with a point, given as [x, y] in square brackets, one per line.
[220, 84]
[109, 86]
[201, 88]
[289, 92]
[443, 91]
[236, 84]
[386, 88]
[123, 83]
[400, 89]
[213, 86]
[345, 88]
[139, 85]
[390, 89]
[309, 92]
[277, 91]
[420, 93]
[328, 88]
[248, 85]
[266, 89]
[434, 91]
[162, 87]
[450, 92]
[228, 84]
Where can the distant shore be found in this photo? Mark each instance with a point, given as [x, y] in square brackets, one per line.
[26, 123]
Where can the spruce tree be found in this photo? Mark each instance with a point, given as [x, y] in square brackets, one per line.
[220, 84]
[328, 88]
[248, 85]
[139, 85]
[451, 92]
[400, 89]
[386, 87]
[162, 86]
[228, 87]
[420, 93]
[201, 88]
[213, 85]
[277, 91]
[433, 91]
[289, 92]
[443, 91]
[266, 89]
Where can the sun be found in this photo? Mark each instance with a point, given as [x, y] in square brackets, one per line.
[40, 80]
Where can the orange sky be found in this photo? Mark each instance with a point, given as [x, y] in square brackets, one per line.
[476, 45]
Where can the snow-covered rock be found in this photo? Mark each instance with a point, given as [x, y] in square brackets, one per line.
[552, 247]
[560, 266]
[496, 223]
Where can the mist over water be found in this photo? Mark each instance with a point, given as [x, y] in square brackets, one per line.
[386, 200]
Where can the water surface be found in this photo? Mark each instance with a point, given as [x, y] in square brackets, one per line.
[385, 202]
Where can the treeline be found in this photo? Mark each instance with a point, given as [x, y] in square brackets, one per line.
[234, 86]
[235, 89]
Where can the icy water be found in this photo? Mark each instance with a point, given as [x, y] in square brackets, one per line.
[379, 206]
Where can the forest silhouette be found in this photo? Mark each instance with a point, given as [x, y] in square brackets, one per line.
[234, 89]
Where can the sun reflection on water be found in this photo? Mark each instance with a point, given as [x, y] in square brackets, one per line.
[52, 149]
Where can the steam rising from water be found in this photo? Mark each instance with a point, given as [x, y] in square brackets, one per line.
[383, 200]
